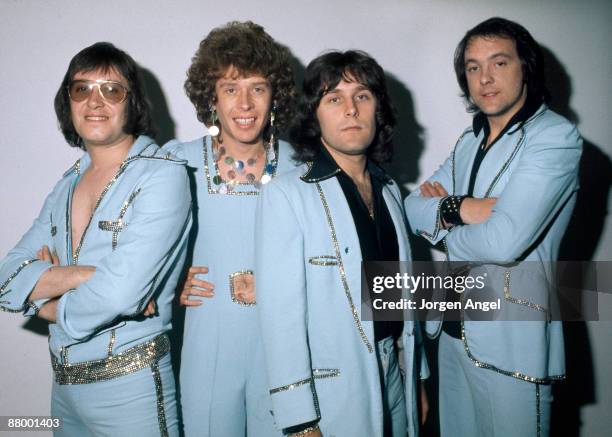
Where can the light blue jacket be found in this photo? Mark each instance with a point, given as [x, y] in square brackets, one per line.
[533, 172]
[136, 240]
[320, 355]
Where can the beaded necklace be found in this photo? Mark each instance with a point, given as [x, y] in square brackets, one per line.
[239, 167]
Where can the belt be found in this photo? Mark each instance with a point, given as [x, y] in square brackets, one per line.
[124, 363]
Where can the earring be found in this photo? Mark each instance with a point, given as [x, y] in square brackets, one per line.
[213, 130]
[272, 129]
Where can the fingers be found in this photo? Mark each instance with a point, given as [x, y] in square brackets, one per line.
[194, 270]
[424, 404]
[196, 287]
[440, 191]
[44, 254]
[150, 309]
[200, 284]
[433, 190]
[427, 190]
[195, 292]
[188, 292]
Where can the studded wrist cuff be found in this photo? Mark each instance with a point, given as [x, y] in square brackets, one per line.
[450, 208]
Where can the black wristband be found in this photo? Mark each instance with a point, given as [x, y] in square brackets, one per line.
[449, 209]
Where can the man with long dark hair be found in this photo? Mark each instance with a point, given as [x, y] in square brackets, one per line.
[502, 201]
[329, 372]
[105, 246]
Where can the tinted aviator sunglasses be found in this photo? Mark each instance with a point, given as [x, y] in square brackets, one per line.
[110, 90]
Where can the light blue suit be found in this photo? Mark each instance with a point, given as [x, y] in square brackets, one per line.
[320, 355]
[533, 172]
[223, 381]
[136, 239]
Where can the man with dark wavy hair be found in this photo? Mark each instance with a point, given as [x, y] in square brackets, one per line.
[502, 202]
[91, 264]
[331, 373]
[241, 84]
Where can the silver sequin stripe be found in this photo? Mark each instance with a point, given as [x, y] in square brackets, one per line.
[116, 226]
[8, 281]
[438, 221]
[519, 301]
[111, 343]
[111, 225]
[517, 375]
[453, 188]
[291, 386]
[323, 260]
[306, 178]
[125, 363]
[506, 164]
[316, 374]
[347, 291]
[161, 412]
[122, 167]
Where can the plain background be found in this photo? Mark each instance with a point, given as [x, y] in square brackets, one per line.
[413, 40]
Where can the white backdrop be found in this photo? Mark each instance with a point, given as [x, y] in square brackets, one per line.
[413, 40]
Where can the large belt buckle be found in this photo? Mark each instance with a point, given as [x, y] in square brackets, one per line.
[242, 287]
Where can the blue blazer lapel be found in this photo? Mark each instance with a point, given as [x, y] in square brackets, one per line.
[349, 249]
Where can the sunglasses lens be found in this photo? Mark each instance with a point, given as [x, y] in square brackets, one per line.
[79, 90]
[113, 92]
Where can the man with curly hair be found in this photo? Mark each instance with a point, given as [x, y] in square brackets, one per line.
[330, 372]
[241, 84]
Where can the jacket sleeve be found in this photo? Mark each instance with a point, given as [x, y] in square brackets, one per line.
[282, 305]
[20, 270]
[424, 212]
[126, 278]
[541, 184]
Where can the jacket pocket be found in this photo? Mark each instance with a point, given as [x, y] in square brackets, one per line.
[323, 260]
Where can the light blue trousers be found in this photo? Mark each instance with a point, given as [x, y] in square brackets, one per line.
[394, 404]
[481, 402]
[224, 387]
[125, 406]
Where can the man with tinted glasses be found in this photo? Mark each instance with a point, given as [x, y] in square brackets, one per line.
[504, 196]
[93, 260]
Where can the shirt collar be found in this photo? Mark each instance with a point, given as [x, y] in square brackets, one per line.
[529, 108]
[140, 147]
[323, 167]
